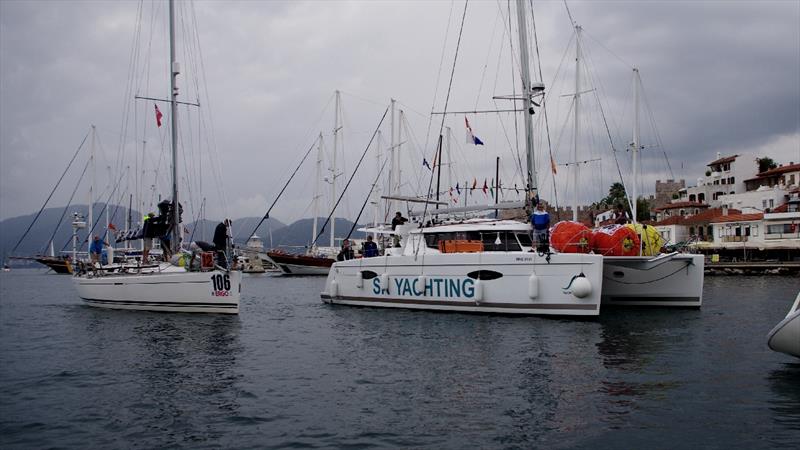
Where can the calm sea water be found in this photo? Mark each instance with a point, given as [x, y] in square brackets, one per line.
[292, 372]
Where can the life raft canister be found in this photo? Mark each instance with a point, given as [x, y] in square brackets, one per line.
[615, 240]
[570, 237]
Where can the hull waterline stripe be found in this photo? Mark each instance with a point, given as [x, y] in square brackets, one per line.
[405, 301]
[112, 282]
[176, 304]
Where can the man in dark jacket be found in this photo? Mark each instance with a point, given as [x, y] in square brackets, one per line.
[221, 242]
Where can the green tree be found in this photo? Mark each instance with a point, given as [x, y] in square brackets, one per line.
[766, 163]
[616, 194]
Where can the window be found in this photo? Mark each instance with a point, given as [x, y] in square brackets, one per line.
[724, 181]
[771, 203]
[764, 204]
[524, 239]
[754, 230]
[747, 230]
[692, 198]
[732, 180]
[701, 197]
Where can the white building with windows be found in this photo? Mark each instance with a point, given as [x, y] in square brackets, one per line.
[724, 176]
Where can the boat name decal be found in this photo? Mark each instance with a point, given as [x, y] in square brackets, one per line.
[434, 287]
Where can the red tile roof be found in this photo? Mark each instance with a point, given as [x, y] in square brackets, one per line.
[682, 205]
[724, 160]
[776, 171]
[782, 208]
[700, 218]
[738, 218]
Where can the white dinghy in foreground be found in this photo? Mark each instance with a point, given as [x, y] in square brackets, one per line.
[785, 337]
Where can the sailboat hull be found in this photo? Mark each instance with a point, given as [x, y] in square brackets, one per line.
[192, 292]
[672, 280]
[290, 264]
[507, 282]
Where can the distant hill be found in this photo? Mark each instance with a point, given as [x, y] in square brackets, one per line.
[299, 233]
[37, 240]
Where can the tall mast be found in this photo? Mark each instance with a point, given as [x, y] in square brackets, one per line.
[377, 187]
[636, 81]
[526, 100]
[174, 71]
[577, 122]
[317, 194]
[91, 187]
[336, 128]
[400, 122]
[392, 149]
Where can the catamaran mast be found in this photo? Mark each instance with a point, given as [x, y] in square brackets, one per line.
[577, 122]
[636, 81]
[174, 71]
[527, 92]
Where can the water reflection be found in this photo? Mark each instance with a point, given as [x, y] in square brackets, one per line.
[175, 372]
[785, 405]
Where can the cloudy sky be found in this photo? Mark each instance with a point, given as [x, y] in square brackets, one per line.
[718, 76]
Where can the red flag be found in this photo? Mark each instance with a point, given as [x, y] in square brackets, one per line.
[474, 183]
[158, 116]
[485, 186]
[111, 226]
[553, 165]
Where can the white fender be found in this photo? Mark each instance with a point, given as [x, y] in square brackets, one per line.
[421, 280]
[478, 291]
[533, 286]
[333, 290]
[581, 287]
[384, 283]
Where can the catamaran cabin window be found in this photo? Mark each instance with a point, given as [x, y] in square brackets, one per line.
[499, 241]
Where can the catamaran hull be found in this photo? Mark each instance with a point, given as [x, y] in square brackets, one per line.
[193, 292]
[509, 283]
[785, 337]
[668, 280]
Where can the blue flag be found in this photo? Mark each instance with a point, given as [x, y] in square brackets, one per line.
[457, 189]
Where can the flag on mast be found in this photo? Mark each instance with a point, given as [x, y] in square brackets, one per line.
[458, 189]
[553, 164]
[158, 116]
[485, 186]
[425, 163]
[474, 184]
[471, 138]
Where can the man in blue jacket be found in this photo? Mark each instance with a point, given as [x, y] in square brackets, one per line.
[540, 220]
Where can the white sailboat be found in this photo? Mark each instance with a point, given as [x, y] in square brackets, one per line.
[478, 265]
[163, 287]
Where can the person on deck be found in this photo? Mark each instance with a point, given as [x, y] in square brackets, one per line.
[346, 252]
[96, 249]
[620, 216]
[540, 220]
[370, 248]
[221, 242]
[397, 220]
[147, 236]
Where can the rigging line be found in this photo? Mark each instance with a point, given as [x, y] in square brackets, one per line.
[51, 193]
[544, 107]
[486, 64]
[626, 63]
[439, 74]
[69, 203]
[355, 170]
[364, 205]
[569, 14]
[655, 128]
[266, 215]
[446, 103]
[613, 150]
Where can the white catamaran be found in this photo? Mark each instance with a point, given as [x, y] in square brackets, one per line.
[478, 265]
[163, 286]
